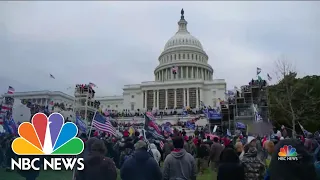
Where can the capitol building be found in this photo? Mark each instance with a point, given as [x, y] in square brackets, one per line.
[192, 83]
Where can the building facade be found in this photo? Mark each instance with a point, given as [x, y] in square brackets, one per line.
[43, 98]
[192, 83]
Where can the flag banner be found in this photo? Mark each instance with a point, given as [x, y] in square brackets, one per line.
[174, 69]
[11, 90]
[258, 70]
[305, 132]
[92, 84]
[228, 132]
[269, 77]
[81, 124]
[240, 125]
[101, 123]
[190, 125]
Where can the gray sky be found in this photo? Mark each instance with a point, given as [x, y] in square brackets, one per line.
[116, 43]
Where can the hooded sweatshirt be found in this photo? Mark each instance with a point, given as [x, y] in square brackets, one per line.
[179, 165]
[155, 152]
[140, 166]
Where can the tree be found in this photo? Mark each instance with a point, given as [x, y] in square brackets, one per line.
[294, 99]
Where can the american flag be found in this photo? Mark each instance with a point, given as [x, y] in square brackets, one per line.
[174, 69]
[161, 144]
[102, 124]
[10, 90]
[5, 108]
[150, 122]
[92, 84]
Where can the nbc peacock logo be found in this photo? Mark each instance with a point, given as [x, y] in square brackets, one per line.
[287, 153]
[47, 136]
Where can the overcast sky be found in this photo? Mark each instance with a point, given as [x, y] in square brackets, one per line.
[116, 43]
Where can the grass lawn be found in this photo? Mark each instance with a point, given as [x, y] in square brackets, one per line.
[67, 175]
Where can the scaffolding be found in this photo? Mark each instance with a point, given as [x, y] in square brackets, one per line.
[84, 103]
[249, 101]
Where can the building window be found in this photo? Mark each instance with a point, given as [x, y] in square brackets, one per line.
[188, 56]
[116, 106]
[183, 56]
[214, 93]
[191, 56]
[132, 107]
[108, 106]
[179, 56]
[132, 96]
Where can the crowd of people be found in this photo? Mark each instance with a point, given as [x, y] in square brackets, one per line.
[184, 157]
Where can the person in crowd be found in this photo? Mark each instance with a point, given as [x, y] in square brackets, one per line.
[141, 165]
[155, 152]
[302, 169]
[184, 133]
[126, 133]
[230, 167]
[215, 151]
[179, 164]
[239, 150]
[97, 166]
[196, 132]
[186, 145]
[203, 153]
[167, 148]
[208, 141]
[127, 148]
[269, 148]
[254, 169]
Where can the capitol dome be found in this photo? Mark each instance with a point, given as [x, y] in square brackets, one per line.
[185, 53]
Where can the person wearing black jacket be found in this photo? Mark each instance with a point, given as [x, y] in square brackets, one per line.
[229, 162]
[202, 155]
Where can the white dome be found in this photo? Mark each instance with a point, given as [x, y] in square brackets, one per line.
[183, 37]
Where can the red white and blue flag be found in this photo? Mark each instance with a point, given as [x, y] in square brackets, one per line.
[102, 124]
[10, 90]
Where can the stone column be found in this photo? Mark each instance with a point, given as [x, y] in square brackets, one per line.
[175, 98]
[181, 77]
[145, 100]
[201, 95]
[188, 100]
[184, 97]
[172, 75]
[197, 72]
[166, 98]
[202, 71]
[154, 98]
[162, 76]
[187, 75]
[157, 99]
[197, 98]
[192, 73]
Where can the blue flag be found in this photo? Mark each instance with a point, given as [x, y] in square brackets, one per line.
[190, 125]
[10, 126]
[81, 125]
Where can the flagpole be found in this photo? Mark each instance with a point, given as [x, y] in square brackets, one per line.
[91, 124]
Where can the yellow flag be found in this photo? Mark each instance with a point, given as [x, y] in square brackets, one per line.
[131, 130]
